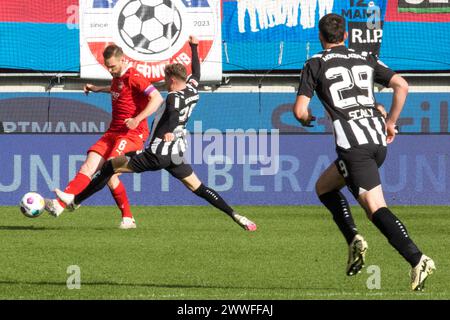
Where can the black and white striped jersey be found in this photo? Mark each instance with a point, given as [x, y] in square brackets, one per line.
[175, 113]
[344, 82]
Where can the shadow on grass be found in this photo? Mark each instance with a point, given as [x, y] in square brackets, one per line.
[40, 228]
[153, 285]
[22, 228]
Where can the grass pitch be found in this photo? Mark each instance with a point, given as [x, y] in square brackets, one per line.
[199, 253]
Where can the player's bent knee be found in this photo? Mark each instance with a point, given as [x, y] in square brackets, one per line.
[192, 182]
[119, 164]
[322, 188]
[318, 188]
[372, 201]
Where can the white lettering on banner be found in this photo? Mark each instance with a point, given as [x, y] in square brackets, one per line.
[370, 36]
[73, 168]
[265, 14]
[164, 181]
[213, 173]
[415, 173]
[137, 182]
[323, 162]
[423, 169]
[287, 174]
[37, 166]
[54, 127]
[248, 173]
[17, 176]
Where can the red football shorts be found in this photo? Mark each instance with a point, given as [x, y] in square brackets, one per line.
[112, 145]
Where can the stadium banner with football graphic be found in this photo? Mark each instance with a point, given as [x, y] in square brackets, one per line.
[151, 33]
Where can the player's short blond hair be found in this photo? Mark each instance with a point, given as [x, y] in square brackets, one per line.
[176, 70]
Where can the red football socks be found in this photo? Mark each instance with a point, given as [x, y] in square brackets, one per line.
[120, 195]
[78, 184]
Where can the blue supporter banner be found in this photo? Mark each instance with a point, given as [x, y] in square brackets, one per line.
[39, 46]
[282, 35]
[257, 34]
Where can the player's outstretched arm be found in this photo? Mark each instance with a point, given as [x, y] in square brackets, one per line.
[193, 42]
[92, 88]
[301, 111]
[400, 87]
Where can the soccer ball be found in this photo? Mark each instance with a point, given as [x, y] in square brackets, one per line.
[32, 205]
[149, 26]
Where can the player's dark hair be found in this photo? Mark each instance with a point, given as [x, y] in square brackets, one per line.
[176, 70]
[332, 28]
[112, 51]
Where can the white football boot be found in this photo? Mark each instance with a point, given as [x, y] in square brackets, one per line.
[420, 273]
[356, 255]
[67, 198]
[244, 222]
[53, 207]
[127, 223]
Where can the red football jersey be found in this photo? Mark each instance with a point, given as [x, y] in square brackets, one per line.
[129, 95]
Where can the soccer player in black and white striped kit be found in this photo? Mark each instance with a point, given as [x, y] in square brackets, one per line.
[167, 143]
[344, 81]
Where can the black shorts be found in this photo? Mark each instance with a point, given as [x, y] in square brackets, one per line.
[149, 161]
[359, 167]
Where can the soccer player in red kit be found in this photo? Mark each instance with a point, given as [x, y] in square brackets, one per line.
[134, 98]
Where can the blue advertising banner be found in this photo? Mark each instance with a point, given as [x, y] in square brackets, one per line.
[416, 171]
[424, 112]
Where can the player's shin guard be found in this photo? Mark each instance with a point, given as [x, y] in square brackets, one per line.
[397, 235]
[120, 196]
[337, 204]
[97, 183]
[213, 198]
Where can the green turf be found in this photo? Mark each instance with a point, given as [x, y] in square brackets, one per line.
[199, 253]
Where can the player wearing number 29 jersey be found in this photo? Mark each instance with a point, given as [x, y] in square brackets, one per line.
[344, 80]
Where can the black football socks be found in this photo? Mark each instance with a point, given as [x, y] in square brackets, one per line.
[337, 204]
[397, 235]
[97, 183]
[213, 198]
